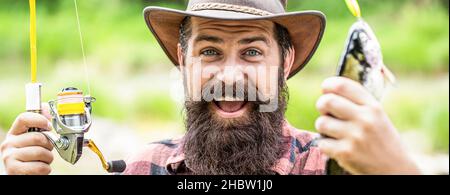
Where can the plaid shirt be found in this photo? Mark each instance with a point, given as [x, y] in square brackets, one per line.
[167, 157]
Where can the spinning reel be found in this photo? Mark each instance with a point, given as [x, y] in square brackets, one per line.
[71, 119]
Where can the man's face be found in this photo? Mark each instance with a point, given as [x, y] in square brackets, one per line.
[243, 55]
[231, 71]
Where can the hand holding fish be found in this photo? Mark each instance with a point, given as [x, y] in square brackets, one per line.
[359, 136]
[362, 139]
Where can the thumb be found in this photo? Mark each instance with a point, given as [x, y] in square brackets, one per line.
[46, 110]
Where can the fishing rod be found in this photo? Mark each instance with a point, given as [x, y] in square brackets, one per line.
[71, 111]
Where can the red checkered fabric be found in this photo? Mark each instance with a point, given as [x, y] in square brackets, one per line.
[167, 157]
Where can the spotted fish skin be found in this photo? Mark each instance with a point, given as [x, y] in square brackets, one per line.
[362, 60]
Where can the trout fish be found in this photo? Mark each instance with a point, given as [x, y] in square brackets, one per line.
[362, 61]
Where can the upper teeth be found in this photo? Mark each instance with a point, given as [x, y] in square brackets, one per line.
[229, 99]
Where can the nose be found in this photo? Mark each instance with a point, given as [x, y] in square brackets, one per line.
[231, 72]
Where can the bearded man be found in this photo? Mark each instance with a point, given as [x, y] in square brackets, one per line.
[235, 57]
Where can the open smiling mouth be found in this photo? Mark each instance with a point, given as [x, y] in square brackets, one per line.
[230, 109]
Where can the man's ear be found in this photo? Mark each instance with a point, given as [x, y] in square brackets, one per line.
[180, 56]
[288, 62]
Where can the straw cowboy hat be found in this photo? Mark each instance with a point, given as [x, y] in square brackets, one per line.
[305, 27]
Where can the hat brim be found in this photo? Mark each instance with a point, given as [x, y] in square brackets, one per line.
[306, 29]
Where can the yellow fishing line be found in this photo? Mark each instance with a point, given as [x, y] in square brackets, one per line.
[354, 8]
[86, 72]
[33, 48]
[70, 108]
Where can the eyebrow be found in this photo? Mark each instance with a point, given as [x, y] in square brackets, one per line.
[208, 38]
[254, 39]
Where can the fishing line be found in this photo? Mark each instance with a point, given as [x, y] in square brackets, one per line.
[86, 72]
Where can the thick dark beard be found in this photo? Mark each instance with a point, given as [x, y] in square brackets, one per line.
[248, 146]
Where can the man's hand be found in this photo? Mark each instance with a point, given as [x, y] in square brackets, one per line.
[362, 138]
[27, 153]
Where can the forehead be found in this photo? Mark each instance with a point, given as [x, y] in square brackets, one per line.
[232, 28]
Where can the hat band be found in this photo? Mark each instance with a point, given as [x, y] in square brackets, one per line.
[229, 7]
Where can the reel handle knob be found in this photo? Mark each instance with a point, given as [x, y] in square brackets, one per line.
[116, 166]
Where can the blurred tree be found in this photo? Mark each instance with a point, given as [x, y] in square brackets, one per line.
[51, 5]
[445, 3]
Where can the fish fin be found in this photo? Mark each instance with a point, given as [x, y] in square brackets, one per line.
[388, 75]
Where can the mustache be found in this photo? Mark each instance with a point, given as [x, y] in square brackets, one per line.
[218, 90]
